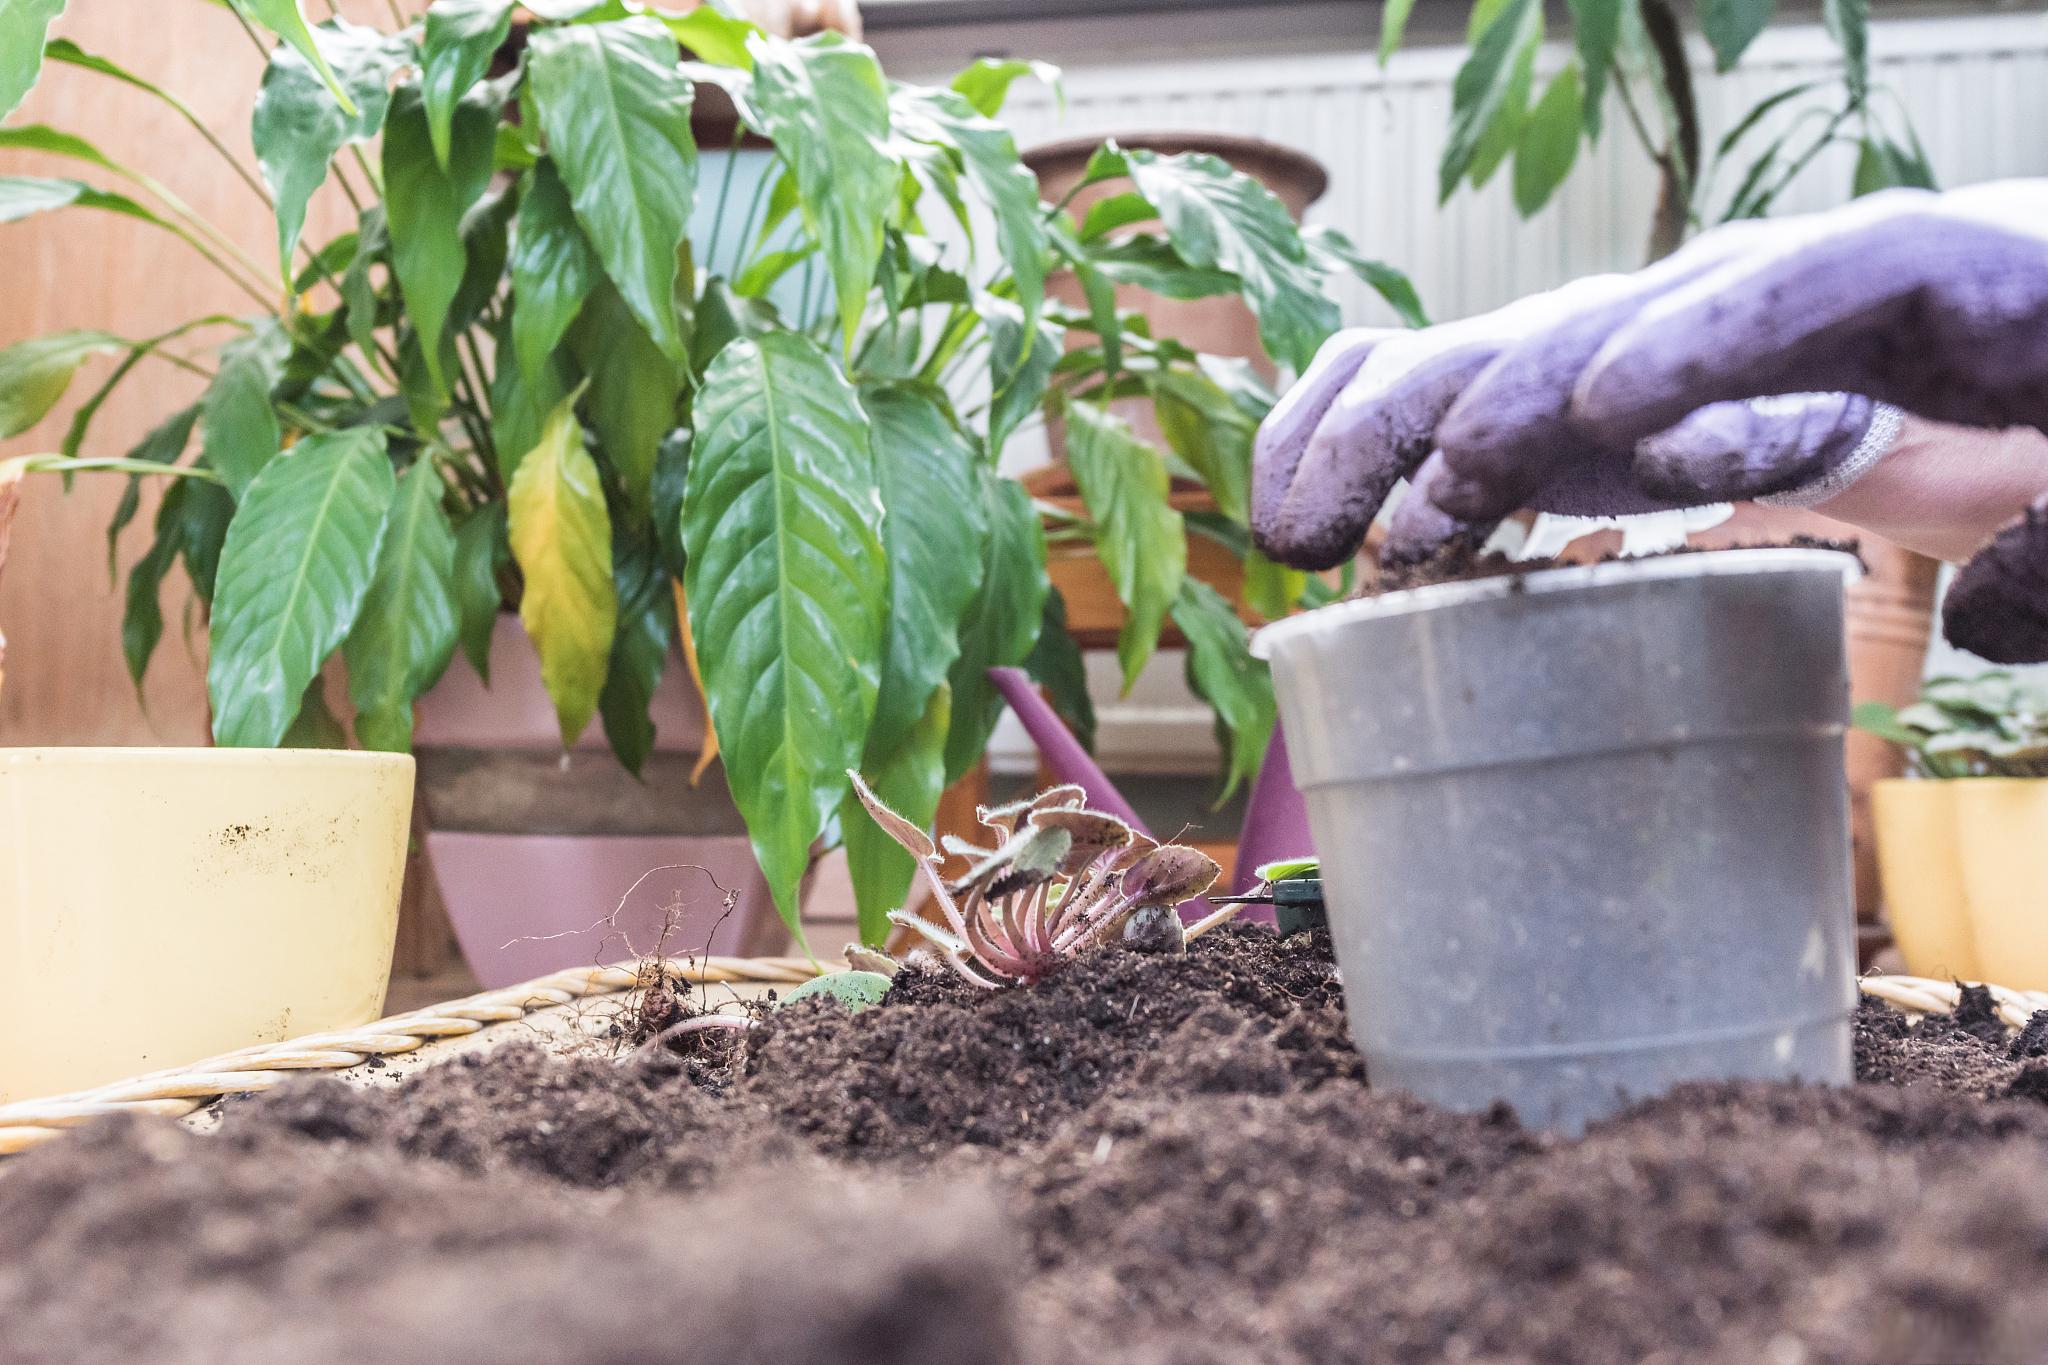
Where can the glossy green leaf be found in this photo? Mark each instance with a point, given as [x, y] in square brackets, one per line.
[205, 513]
[987, 156]
[359, 292]
[1596, 31]
[1055, 663]
[1484, 86]
[1222, 671]
[406, 631]
[909, 775]
[1151, 263]
[787, 588]
[41, 137]
[239, 430]
[617, 117]
[1001, 626]
[423, 210]
[1210, 432]
[1549, 143]
[1272, 590]
[561, 535]
[647, 614]
[35, 373]
[713, 36]
[1731, 25]
[1139, 537]
[1222, 219]
[455, 53]
[294, 571]
[480, 550]
[486, 246]
[986, 84]
[297, 127]
[553, 269]
[1882, 164]
[1114, 211]
[1497, 140]
[825, 105]
[932, 537]
[23, 24]
[142, 616]
[284, 18]
[631, 403]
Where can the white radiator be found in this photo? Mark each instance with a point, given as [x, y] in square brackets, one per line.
[1976, 87]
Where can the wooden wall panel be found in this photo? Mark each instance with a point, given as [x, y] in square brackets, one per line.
[66, 683]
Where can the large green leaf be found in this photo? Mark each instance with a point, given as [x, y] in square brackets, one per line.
[909, 776]
[987, 156]
[1548, 143]
[617, 117]
[647, 614]
[1020, 366]
[932, 534]
[1139, 537]
[23, 23]
[479, 551]
[714, 36]
[35, 373]
[1222, 219]
[455, 53]
[239, 430]
[1222, 671]
[787, 588]
[1731, 25]
[405, 633]
[294, 571]
[633, 388]
[1206, 428]
[561, 535]
[553, 269]
[1485, 85]
[297, 127]
[423, 209]
[825, 105]
[1001, 626]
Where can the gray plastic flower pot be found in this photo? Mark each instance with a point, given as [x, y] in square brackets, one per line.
[1584, 832]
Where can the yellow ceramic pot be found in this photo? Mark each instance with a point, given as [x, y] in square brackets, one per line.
[159, 906]
[2002, 840]
[1920, 865]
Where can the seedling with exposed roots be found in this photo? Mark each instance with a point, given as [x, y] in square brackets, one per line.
[1060, 879]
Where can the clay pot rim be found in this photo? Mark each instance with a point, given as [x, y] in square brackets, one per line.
[1047, 155]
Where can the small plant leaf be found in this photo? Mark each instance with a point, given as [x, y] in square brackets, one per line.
[23, 24]
[1001, 626]
[479, 550]
[640, 650]
[631, 401]
[1055, 663]
[239, 434]
[35, 373]
[294, 571]
[283, 17]
[855, 990]
[616, 112]
[1485, 85]
[713, 36]
[406, 631]
[423, 211]
[986, 83]
[1207, 429]
[1170, 874]
[561, 535]
[1548, 144]
[1732, 25]
[1222, 672]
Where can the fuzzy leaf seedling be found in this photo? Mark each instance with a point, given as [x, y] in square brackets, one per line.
[855, 990]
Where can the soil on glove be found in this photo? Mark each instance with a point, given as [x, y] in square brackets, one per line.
[1142, 1159]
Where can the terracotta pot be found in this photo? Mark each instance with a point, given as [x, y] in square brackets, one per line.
[538, 851]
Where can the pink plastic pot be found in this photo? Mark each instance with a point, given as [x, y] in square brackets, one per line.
[549, 859]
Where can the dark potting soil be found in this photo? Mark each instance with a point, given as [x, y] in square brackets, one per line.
[1141, 1159]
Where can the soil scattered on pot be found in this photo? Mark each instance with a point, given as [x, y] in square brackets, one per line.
[1461, 560]
[1143, 1159]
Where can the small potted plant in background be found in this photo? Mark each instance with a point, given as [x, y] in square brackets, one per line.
[522, 380]
[1963, 842]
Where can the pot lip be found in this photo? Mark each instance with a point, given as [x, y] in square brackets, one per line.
[109, 755]
[1567, 578]
[1935, 784]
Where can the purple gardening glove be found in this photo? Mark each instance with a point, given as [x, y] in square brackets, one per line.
[1377, 406]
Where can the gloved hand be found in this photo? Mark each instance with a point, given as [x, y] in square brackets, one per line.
[1616, 389]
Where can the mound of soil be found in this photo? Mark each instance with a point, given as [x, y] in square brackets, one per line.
[1142, 1159]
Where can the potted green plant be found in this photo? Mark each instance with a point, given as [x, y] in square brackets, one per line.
[1963, 843]
[522, 381]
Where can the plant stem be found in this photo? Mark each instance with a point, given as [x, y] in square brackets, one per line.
[745, 245]
[732, 161]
